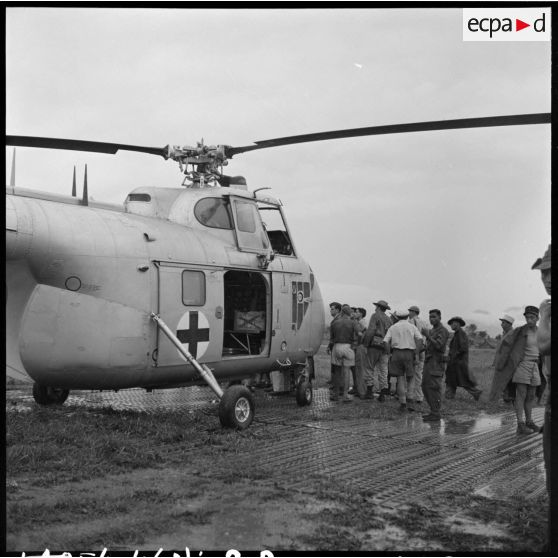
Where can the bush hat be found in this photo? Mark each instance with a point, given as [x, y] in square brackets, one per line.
[382, 304]
[507, 318]
[457, 319]
[414, 309]
[531, 310]
[544, 262]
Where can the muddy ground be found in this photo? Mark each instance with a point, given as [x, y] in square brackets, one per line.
[118, 474]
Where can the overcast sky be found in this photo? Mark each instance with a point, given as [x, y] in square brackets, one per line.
[448, 219]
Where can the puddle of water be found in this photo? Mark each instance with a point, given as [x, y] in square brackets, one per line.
[471, 425]
[485, 491]
[466, 525]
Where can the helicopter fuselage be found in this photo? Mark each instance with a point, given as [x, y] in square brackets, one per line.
[83, 279]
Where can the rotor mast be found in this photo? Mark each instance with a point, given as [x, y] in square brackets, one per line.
[202, 165]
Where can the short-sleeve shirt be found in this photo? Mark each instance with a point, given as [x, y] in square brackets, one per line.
[403, 335]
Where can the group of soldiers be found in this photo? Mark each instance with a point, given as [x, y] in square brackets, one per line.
[401, 347]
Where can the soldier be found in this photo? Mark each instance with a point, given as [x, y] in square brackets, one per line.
[335, 312]
[374, 342]
[361, 358]
[503, 371]
[543, 341]
[434, 364]
[457, 371]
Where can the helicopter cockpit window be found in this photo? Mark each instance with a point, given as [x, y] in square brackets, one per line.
[246, 218]
[250, 234]
[193, 288]
[213, 212]
[276, 230]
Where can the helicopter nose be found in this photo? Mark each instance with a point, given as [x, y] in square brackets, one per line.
[19, 230]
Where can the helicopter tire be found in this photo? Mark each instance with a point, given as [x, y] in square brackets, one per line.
[236, 408]
[46, 395]
[304, 393]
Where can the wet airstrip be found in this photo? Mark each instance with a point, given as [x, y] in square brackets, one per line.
[393, 459]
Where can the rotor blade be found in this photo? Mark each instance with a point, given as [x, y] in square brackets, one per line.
[80, 145]
[510, 120]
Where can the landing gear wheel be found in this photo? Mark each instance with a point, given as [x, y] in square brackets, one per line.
[304, 393]
[236, 408]
[46, 395]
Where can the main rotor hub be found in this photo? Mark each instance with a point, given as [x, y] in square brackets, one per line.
[202, 165]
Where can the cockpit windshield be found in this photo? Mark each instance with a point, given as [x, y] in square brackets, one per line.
[213, 212]
[276, 229]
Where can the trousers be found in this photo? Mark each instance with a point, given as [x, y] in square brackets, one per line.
[432, 389]
[361, 363]
[377, 359]
[416, 393]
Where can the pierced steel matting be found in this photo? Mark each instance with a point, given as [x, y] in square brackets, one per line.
[338, 446]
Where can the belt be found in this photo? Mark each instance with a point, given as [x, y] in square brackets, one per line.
[396, 349]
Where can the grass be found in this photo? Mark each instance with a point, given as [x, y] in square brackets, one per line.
[92, 443]
[432, 525]
[47, 448]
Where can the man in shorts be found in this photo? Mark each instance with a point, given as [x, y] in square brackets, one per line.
[526, 376]
[343, 341]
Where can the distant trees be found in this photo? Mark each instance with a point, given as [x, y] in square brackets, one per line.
[479, 338]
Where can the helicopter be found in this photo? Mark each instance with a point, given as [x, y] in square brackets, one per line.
[194, 285]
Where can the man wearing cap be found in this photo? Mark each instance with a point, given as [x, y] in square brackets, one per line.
[457, 371]
[402, 340]
[434, 364]
[503, 371]
[416, 396]
[526, 377]
[374, 342]
[543, 341]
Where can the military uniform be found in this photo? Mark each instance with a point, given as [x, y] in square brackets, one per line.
[434, 365]
[457, 372]
[373, 341]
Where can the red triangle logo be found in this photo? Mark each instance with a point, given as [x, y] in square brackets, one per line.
[519, 25]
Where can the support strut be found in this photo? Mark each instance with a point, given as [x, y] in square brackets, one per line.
[203, 370]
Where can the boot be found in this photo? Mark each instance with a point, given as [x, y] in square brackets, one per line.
[534, 427]
[383, 393]
[369, 393]
[523, 429]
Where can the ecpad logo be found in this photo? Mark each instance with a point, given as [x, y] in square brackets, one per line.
[506, 24]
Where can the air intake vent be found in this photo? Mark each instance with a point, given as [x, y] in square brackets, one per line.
[139, 197]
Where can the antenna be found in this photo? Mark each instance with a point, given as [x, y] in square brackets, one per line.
[74, 184]
[12, 177]
[85, 199]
